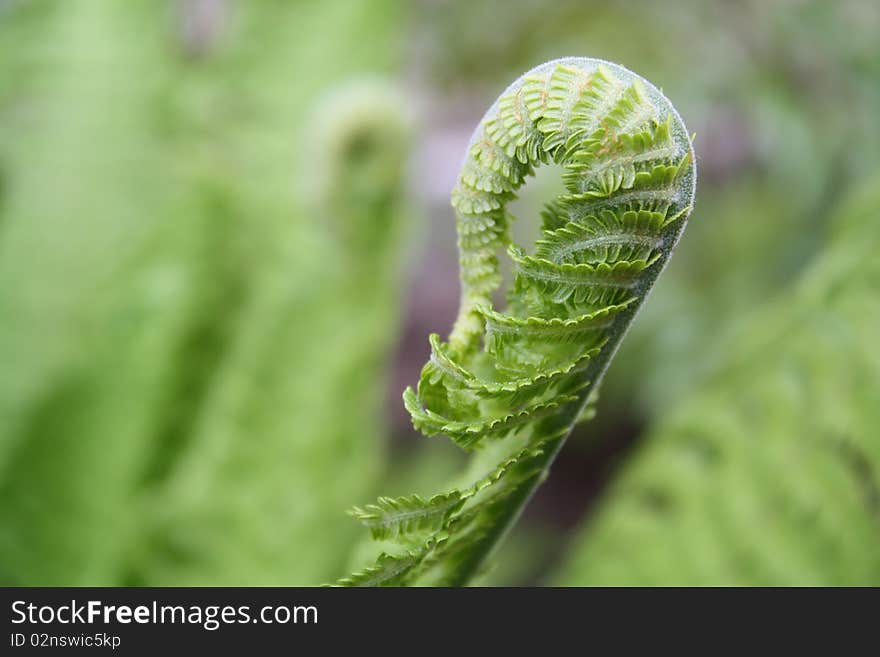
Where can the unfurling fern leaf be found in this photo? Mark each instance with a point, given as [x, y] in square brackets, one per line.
[513, 383]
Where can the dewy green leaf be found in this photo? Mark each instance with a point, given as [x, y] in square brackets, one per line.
[511, 383]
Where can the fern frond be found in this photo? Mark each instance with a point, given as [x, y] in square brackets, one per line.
[511, 383]
[393, 517]
[631, 236]
[389, 570]
[468, 434]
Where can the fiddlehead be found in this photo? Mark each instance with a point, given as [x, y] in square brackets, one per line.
[512, 383]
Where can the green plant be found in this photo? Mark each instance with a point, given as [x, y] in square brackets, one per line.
[769, 474]
[512, 384]
[168, 400]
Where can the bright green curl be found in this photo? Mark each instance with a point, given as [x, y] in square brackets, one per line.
[512, 383]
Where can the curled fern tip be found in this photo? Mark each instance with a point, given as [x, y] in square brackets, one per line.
[511, 383]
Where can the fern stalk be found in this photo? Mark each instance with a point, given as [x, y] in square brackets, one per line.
[512, 384]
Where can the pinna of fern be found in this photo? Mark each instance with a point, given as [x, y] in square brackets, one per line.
[510, 384]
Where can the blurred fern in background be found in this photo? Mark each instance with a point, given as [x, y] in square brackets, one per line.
[176, 329]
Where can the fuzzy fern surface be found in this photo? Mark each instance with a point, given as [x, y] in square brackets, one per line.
[511, 383]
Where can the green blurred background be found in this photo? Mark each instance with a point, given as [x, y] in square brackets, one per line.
[225, 235]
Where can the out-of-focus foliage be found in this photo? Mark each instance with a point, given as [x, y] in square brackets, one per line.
[771, 474]
[177, 333]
